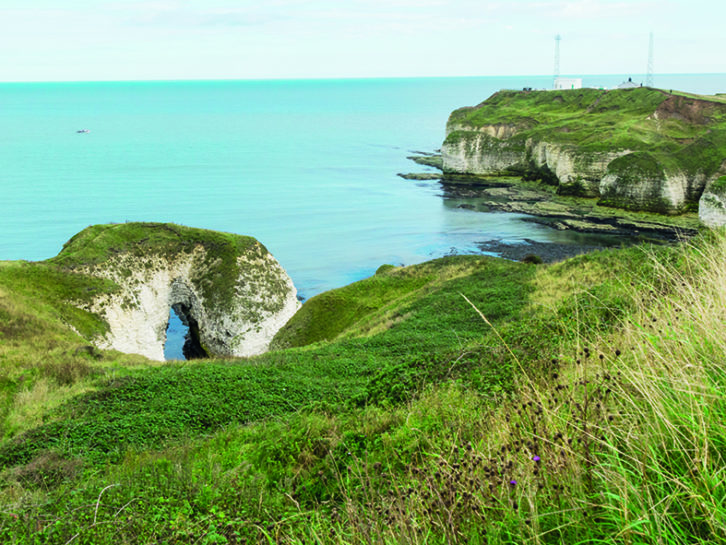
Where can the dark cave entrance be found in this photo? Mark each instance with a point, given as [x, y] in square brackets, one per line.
[182, 335]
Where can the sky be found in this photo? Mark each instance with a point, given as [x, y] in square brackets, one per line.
[95, 40]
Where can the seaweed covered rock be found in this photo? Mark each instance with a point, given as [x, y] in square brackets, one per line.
[227, 288]
[640, 149]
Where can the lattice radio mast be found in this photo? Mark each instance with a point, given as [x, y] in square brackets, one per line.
[649, 74]
[558, 38]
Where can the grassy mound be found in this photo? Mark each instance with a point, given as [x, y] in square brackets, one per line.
[98, 245]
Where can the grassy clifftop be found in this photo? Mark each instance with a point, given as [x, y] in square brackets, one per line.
[599, 120]
[58, 286]
[100, 244]
[639, 149]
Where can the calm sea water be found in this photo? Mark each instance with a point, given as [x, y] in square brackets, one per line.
[307, 167]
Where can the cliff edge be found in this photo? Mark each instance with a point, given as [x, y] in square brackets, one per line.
[638, 149]
[228, 289]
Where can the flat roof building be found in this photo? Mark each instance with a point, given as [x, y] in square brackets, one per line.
[568, 83]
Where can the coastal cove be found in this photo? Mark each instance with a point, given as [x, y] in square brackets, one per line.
[306, 167]
[433, 397]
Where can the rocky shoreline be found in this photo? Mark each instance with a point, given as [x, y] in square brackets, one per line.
[565, 213]
[543, 206]
[533, 251]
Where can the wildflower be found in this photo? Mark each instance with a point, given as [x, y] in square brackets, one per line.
[536, 458]
[513, 482]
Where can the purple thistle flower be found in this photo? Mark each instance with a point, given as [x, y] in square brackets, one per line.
[513, 482]
[535, 458]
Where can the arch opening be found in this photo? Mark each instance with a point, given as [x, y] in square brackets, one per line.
[183, 328]
[176, 333]
[192, 348]
[182, 335]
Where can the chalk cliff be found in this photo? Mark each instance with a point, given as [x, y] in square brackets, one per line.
[712, 207]
[638, 149]
[227, 288]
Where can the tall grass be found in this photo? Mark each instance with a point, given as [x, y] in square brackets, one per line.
[622, 440]
[663, 475]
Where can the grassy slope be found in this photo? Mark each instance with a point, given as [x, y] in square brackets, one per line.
[408, 427]
[44, 351]
[689, 133]
[146, 408]
[44, 337]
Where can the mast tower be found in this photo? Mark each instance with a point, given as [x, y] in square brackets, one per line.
[649, 74]
[558, 38]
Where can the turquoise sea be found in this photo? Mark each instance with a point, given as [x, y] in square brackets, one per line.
[307, 167]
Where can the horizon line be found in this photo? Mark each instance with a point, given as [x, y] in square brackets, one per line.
[348, 78]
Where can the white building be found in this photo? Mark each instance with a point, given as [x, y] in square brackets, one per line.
[568, 83]
[630, 84]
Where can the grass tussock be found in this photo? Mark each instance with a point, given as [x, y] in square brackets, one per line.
[664, 477]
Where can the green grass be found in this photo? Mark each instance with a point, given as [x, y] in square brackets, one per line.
[404, 415]
[719, 187]
[591, 119]
[101, 244]
[45, 332]
[176, 400]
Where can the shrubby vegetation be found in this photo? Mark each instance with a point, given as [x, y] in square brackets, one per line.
[467, 399]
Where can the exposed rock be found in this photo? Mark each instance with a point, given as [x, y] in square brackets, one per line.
[229, 289]
[639, 149]
[638, 182]
[576, 173]
[579, 214]
[528, 251]
[429, 159]
[712, 206]
[481, 154]
[424, 176]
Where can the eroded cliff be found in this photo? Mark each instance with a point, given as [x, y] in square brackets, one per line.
[638, 149]
[227, 288]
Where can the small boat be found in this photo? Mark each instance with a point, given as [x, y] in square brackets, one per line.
[83, 131]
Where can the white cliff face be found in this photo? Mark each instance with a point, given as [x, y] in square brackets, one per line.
[487, 152]
[264, 300]
[642, 184]
[570, 167]
[483, 151]
[712, 209]
[479, 155]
